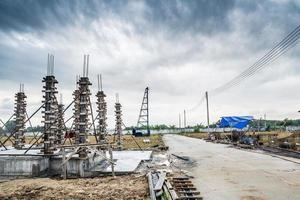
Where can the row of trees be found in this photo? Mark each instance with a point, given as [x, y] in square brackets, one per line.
[10, 127]
[270, 125]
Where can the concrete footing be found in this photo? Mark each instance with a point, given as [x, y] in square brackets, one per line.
[16, 165]
[37, 166]
[23, 166]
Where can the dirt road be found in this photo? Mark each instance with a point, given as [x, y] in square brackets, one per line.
[222, 172]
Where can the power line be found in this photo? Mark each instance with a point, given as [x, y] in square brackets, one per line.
[198, 104]
[278, 50]
[282, 47]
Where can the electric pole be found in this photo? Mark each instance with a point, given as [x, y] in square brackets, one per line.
[179, 122]
[184, 118]
[265, 116]
[207, 111]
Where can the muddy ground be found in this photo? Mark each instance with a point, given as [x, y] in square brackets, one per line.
[121, 187]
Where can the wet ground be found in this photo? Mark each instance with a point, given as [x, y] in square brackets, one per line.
[222, 172]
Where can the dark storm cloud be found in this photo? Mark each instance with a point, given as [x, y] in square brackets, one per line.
[179, 48]
[202, 15]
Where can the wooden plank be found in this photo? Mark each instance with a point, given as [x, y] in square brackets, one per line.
[151, 191]
[160, 182]
[181, 178]
[182, 181]
[167, 192]
[182, 185]
[189, 192]
[171, 190]
[190, 198]
[186, 188]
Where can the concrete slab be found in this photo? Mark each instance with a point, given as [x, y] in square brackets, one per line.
[12, 151]
[128, 161]
[222, 172]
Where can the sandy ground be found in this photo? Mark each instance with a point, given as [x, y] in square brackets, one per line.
[222, 172]
[121, 187]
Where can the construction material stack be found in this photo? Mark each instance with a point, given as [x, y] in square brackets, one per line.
[20, 116]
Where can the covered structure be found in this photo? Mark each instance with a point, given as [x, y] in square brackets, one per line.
[238, 122]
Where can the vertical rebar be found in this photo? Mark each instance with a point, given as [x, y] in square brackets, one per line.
[87, 65]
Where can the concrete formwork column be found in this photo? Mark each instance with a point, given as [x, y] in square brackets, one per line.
[50, 114]
[60, 124]
[102, 115]
[20, 116]
[118, 113]
[76, 113]
[82, 111]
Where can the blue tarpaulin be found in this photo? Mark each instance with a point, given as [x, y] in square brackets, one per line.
[239, 122]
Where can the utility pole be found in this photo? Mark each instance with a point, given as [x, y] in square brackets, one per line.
[265, 117]
[179, 122]
[207, 111]
[184, 118]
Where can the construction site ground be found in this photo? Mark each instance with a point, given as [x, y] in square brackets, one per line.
[133, 186]
[121, 187]
[222, 172]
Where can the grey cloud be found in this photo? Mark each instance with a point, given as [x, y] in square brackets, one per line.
[202, 15]
[6, 104]
[179, 48]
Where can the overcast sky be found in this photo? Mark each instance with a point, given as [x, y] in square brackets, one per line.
[179, 49]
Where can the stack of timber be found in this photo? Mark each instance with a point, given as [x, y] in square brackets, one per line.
[185, 189]
[180, 188]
